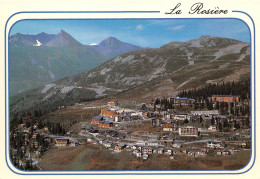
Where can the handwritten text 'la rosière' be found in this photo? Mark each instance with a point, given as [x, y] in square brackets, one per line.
[197, 8]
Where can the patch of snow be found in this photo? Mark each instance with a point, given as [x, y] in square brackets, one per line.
[92, 44]
[211, 44]
[241, 57]
[67, 89]
[151, 59]
[248, 51]
[195, 43]
[159, 70]
[128, 58]
[38, 43]
[49, 95]
[42, 68]
[133, 80]
[224, 65]
[143, 55]
[47, 87]
[117, 59]
[90, 75]
[104, 71]
[158, 61]
[236, 48]
[52, 75]
[99, 91]
[189, 54]
[191, 62]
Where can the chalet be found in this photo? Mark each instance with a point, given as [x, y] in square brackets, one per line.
[155, 151]
[138, 154]
[112, 104]
[215, 144]
[160, 151]
[61, 142]
[176, 145]
[145, 150]
[149, 113]
[188, 131]
[169, 127]
[181, 117]
[204, 113]
[46, 129]
[134, 147]
[212, 128]
[184, 151]
[225, 98]
[233, 151]
[124, 117]
[176, 152]
[108, 113]
[246, 130]
[34, 136]
[118, 118]
[152, 144]
[120, 147]
[150, 150]
[243, 144]
[219, 152]
[191, 154]
[21, 125]
[74, 143]
[167, 139]
[140, 142]
[96, 119]
[168, 152]
[145, 156]
[107, 144]
[69, 132]
[105, 124]
[183, 101]
[90, 139]
[225, 153]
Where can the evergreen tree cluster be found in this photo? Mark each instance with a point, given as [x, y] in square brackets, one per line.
[240, 88]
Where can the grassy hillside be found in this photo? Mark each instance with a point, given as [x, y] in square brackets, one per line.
[31, 67]
[146, 74]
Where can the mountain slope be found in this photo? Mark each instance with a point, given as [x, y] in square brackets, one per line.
[148, 73]
[36, 60]
[112, 47]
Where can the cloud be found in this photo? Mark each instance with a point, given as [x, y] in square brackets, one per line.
[93, 44]
[139, 27]
[179, 27]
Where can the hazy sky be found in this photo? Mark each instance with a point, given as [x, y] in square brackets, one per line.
[145, 33]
